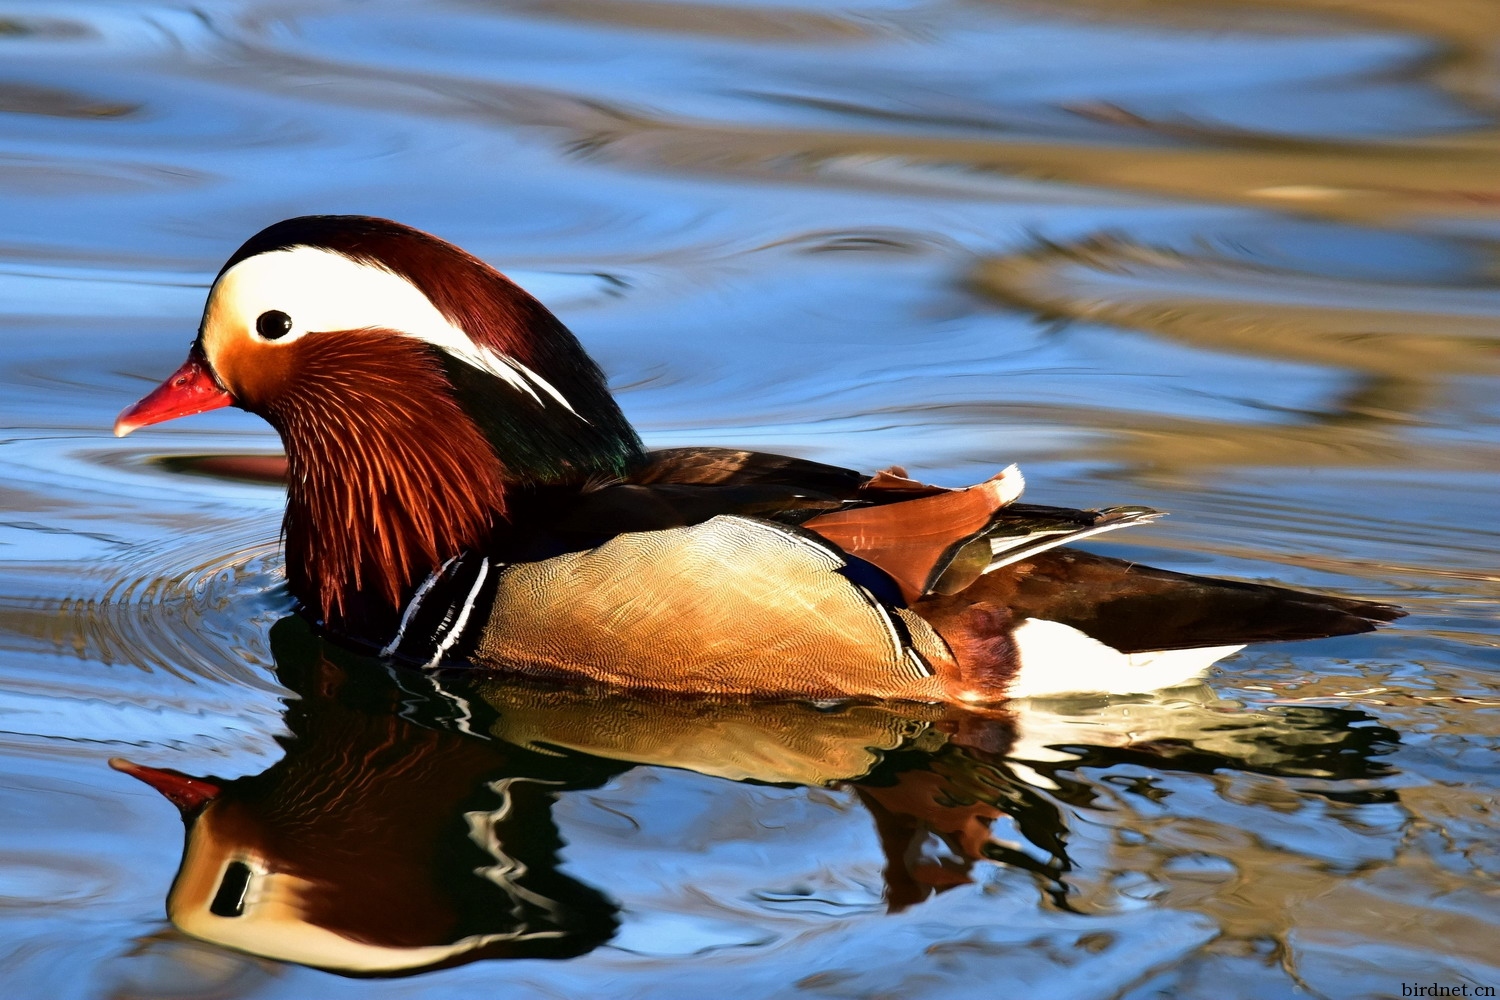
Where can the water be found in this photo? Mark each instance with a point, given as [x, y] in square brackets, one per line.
[1237, 261]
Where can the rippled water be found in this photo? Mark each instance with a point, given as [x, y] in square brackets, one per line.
[1235, 260]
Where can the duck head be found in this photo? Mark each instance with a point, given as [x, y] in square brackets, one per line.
[413, 387]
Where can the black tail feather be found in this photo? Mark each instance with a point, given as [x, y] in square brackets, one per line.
[1136, 608]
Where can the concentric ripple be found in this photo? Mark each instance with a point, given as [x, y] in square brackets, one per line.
[197, 608]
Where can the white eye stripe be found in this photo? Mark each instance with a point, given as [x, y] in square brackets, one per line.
[324, 291]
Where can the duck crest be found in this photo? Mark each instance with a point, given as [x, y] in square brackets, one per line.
[555, 422]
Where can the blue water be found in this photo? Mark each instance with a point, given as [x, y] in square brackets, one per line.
[1237, 261]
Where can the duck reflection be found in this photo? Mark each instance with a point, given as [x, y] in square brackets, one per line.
[390, 837]
[409, 826]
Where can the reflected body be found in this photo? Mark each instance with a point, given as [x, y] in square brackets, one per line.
[410, 825]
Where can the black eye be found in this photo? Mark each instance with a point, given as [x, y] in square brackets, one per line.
[229, 901]
[273, 324]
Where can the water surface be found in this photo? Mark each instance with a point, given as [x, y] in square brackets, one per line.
[1234, 260]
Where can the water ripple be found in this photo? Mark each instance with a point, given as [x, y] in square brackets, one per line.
[194, 608]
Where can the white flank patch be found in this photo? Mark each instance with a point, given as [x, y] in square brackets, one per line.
[1058, 659]
[323, 292]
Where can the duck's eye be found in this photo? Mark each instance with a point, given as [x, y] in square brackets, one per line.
[229, 901]
[273, 324]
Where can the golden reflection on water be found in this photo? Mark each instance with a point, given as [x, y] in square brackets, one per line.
[1347, 182]
[1464, 33]
[1402, 356]
[1448, 174]
[774, 24]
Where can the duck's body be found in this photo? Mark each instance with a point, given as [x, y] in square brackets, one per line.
[461, 486]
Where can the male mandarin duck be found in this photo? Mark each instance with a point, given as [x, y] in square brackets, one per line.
[463, 488]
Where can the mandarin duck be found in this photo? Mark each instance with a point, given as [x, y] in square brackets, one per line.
[462, 488]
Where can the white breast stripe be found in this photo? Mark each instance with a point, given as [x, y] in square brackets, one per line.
[411, 606]
[463, 616]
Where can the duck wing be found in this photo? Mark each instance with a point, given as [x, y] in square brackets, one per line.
[681, 487]
[931, 540]
[732, 467]
[928, 539]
